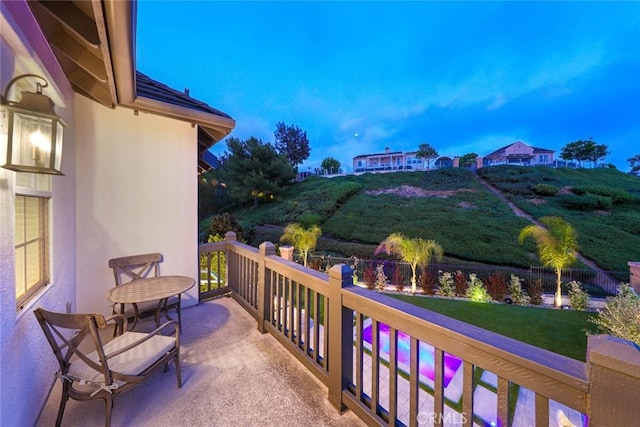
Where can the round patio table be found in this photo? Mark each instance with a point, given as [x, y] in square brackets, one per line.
[159, 289]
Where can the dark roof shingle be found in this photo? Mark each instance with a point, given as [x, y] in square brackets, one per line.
[153, 89]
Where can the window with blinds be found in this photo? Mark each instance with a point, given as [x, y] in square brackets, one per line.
[31, 246]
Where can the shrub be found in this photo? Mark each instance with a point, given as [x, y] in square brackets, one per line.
[398, 280]
[578, 298]
[222, 223]
[579, 203]
[621, 315]
[476, 290]
[518, 295]
[427, 282]
[446, 288]
[615, 195]
[535, 292]
[586, 201]
[545, 189]
[381, 278]
[497, 286]
[308, 220]
[369, 276]
[460, 283]
[316, 264]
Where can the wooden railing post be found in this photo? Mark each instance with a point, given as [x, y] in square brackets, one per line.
[613, 369]
[634, 275]
[229, 238]
[340, 330]
[264, 284]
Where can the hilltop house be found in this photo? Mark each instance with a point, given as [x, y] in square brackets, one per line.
[518, 153]
[395, 161]
[130, 158]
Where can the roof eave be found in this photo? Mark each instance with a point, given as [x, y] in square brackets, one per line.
[216, 126]
[120, 18]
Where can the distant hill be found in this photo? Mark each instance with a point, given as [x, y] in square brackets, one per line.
[454, 207]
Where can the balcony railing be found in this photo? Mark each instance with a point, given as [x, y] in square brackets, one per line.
[393, 363]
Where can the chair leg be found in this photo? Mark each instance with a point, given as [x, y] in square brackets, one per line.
[176, 362]
[108, 407]
[63, 402]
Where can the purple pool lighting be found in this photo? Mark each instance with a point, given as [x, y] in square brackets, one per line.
[425, 354]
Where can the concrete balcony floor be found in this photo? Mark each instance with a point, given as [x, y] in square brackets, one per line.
[232, 376]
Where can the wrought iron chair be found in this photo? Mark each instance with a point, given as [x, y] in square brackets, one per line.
[91, 369]
[135, 267]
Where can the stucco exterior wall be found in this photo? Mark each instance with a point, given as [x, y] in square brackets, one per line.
[26, 362]
[136, 192]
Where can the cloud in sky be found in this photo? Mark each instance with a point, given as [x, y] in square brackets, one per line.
[470, 76]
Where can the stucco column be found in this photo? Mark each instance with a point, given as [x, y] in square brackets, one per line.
[286, 252]
[479, 162]
[634, 277]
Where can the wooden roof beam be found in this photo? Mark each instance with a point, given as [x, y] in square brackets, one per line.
[74, 20]
[91, 88]
[76, 52]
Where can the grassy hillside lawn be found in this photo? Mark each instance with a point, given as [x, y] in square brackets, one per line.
[603, 205]
[454, 208]
[559, 331]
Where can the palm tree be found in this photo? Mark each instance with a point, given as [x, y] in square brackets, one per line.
[416, 252]
[556, 244]
[303, 239]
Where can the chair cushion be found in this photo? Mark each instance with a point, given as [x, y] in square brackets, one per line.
[132, 362]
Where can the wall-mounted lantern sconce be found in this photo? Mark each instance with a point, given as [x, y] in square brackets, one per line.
[34, 137]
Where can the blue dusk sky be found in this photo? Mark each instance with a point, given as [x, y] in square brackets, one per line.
[361, 76]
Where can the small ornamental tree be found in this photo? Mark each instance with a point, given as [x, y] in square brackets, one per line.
[428, 281]
[222, 223]
[417, 252]
[578, 298]
[381, 278]
[556, 244]
[369, 276]
[518, 295]
[398, 280]
[468, 159]
[460, 283]
[303, 239]
[427, 152]
[535, 292]
[330, 165]
[477, 291]
[497, 286]
[446, 288]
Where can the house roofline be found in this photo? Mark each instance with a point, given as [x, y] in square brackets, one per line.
[121, 17]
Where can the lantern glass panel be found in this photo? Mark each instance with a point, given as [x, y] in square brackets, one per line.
[33, 134]
[59, 134]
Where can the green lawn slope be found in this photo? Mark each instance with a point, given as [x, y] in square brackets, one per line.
[603, 205]
[453, 207]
